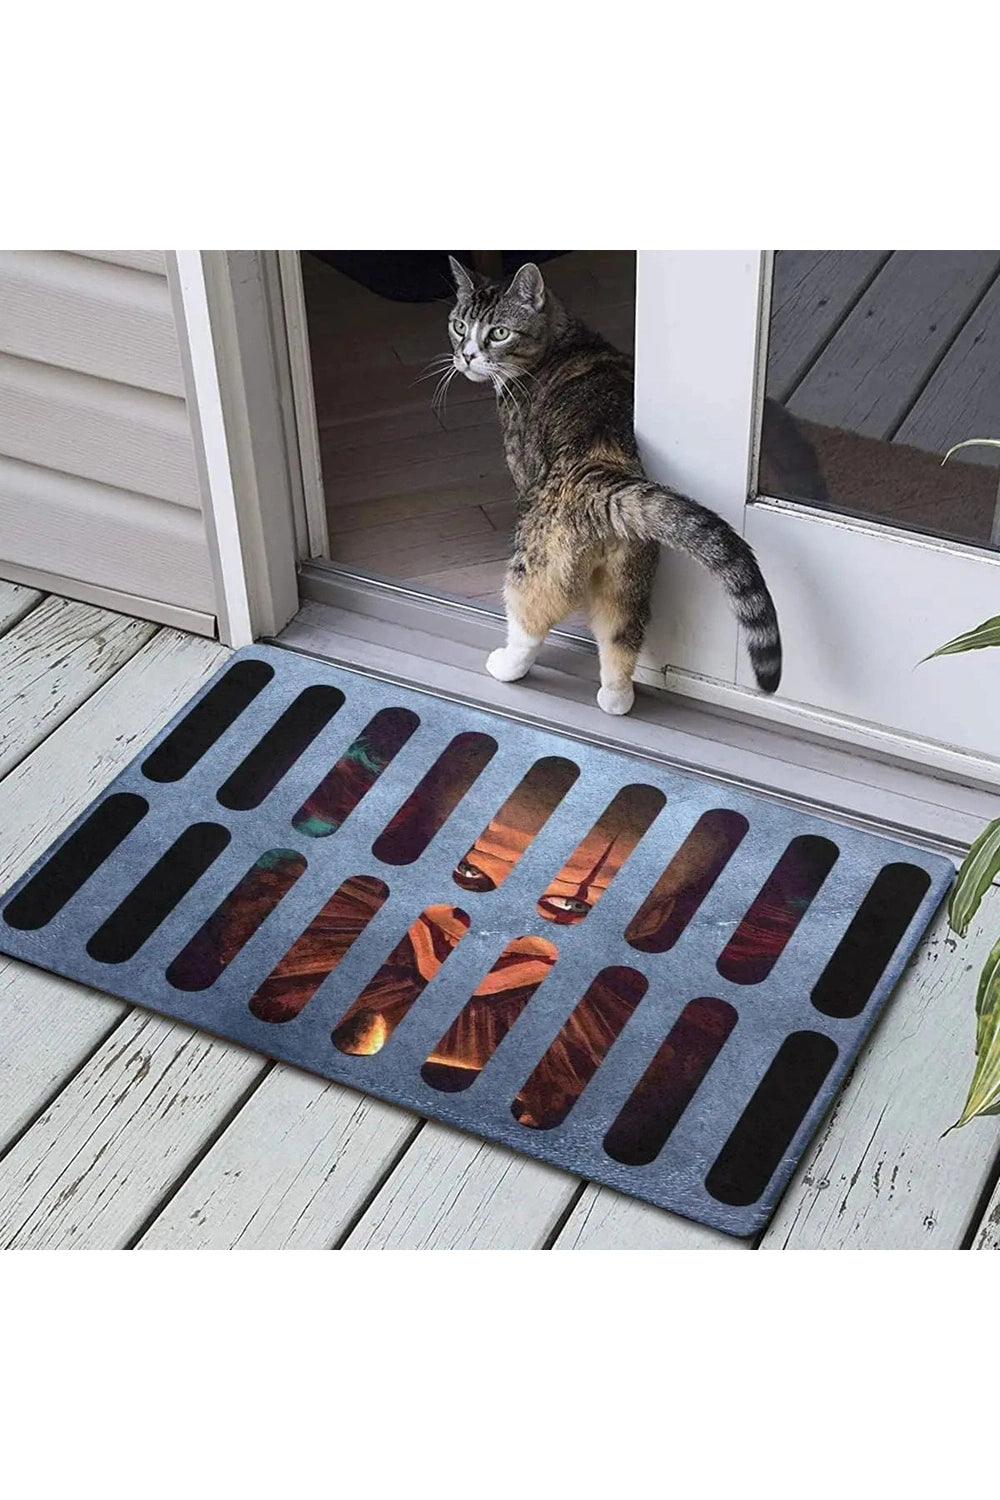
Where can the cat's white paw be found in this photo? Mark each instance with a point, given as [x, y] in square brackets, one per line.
[615, 700]
[506, 665]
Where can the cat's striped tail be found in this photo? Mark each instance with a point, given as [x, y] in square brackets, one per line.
[638, 509]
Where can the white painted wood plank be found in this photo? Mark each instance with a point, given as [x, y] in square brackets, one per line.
[811, 292]
[15, 602]
[606, 1220]
[51, 663]
[104, 536]
[48, 1026]
[93, 1166]
[91, 316]
[42, 795]
[452, 1192]
[866, 377]
[153, 261]
[115, 434]
[883, 1175]
[290, 1173]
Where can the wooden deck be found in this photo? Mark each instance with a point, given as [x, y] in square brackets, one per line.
[900, 348]
[121, 1129]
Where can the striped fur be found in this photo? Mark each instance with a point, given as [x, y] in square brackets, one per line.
[590, 523]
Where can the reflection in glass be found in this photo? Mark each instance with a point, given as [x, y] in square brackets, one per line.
[879, 362]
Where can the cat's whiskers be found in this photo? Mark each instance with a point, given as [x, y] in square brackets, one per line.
[439, 402]
[437, 366]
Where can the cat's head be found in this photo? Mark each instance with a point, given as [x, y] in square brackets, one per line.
[499, 328]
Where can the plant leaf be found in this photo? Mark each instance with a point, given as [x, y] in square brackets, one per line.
[984, 1091]
[979, 869]
[986, 634]
[972, 443]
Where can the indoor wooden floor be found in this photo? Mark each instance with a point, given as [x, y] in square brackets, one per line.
[898, 350]
[121, 1129]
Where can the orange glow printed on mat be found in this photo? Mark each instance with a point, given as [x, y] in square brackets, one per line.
[599, 856]
[581, 1045]
[485, 1019]
[369, 1023]
[318, 950]
[507, 835]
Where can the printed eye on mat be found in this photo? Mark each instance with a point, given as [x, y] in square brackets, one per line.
[639, 976]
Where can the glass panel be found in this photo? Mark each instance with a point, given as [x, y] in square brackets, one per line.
[878, 362]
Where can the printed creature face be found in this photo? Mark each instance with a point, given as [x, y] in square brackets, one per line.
[498, 329]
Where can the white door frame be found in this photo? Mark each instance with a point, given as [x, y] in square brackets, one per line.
[236, 348]
[699, 389]
[860, 603]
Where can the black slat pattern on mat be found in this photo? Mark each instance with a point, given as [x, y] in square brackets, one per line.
[637, 975]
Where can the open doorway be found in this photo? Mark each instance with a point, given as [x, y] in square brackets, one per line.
[418, 494]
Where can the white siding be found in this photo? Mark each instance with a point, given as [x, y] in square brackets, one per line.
[98, 483]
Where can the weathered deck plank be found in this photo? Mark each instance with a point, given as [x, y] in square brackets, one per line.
[51, 662]
[868, 375]
[291, 1172]
[452, 1192]
[606, 1220]
[94, 1166]
[15, 602]
[880, 1175]
[49, 1026]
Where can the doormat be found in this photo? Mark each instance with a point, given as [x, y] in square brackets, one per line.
[640, 976]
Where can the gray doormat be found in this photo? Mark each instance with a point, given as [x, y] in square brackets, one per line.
[637, 975]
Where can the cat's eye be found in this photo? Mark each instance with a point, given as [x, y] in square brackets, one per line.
[499, 334]
[458, 326]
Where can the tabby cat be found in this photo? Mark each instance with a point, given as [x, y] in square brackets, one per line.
[590, 524]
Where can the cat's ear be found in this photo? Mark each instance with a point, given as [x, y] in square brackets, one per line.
[529, 287]
[464, 283]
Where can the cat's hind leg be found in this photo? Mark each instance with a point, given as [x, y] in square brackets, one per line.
[535, 601]
[618, 607]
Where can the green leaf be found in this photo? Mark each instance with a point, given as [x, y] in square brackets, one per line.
[979, 870]
[986, 634]
[984, 1091]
